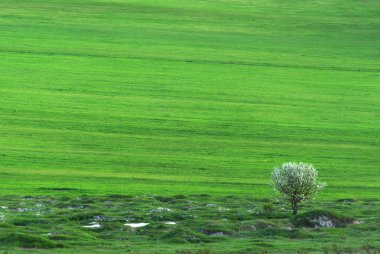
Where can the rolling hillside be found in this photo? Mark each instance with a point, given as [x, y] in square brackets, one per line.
[179, 97]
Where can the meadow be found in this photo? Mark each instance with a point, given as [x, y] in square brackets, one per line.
[175, 97]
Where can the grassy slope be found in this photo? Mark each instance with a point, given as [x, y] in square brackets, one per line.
[188, 96]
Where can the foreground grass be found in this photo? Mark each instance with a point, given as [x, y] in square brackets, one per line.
[227, 224]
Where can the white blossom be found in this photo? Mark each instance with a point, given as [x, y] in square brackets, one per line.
[297, 182]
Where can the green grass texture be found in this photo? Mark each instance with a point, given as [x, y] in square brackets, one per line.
[188, 96]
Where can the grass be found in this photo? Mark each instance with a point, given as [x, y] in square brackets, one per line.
[225, 224]
[188, 97]
[174, 97]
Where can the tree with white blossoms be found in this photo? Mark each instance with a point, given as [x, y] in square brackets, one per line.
[297, 182]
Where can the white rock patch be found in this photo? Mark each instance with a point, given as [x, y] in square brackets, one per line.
[170, 223]
[323, 222]
[93, 225]
[136, 225]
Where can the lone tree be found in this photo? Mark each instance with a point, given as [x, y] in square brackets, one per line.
[297, 182]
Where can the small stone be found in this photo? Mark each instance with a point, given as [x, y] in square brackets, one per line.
[170, 223]
[218, 234]
[160, 209]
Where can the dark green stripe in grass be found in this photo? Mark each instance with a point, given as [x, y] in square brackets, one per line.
[196, 61]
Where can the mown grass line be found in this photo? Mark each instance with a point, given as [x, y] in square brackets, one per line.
[208, 95]
[196, 61]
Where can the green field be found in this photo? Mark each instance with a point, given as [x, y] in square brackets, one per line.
[171, 97]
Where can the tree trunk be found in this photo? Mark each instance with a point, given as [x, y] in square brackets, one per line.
[294, 207]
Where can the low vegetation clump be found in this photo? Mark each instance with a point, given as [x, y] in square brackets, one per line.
[199, 224]
[200, 251]
[185, 235]
[25, 240]
[321, 218]
[268, 208]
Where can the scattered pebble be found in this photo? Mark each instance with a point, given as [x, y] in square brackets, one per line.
[76, 207]
[218, 234]
[23, 209]
[100, 218]
[160, 209]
